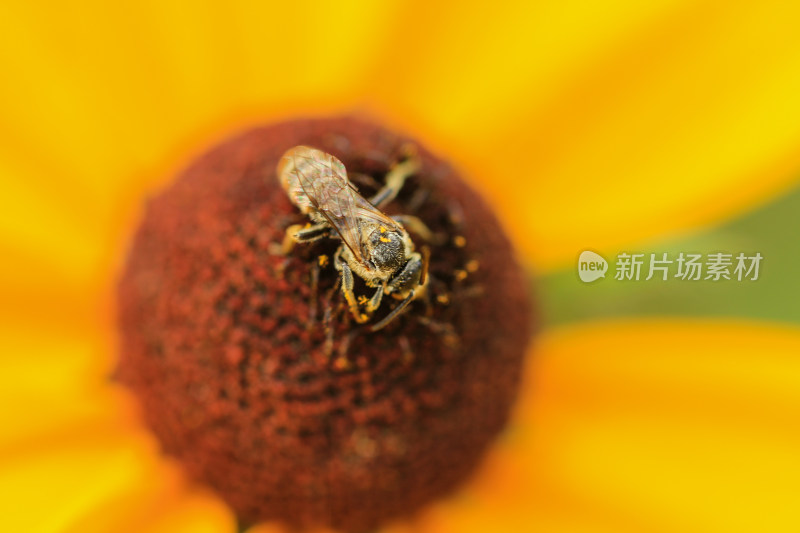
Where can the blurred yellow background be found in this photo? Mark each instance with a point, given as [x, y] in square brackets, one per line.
[607, 125]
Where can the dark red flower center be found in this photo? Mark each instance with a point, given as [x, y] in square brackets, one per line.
[251, 370]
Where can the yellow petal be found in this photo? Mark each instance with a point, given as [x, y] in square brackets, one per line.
[646, 426]
[42, 219]
[47, 487]
[53, 382]
[39, 363]
[37, 293]
[107, 92]
[103, 103]
[607, 124]
[32, 420]
[147, 499]
[197, 512]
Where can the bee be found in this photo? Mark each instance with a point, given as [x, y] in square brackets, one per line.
[374, 246]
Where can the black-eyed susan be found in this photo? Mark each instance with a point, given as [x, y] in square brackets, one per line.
[252, 369]
[585, 126]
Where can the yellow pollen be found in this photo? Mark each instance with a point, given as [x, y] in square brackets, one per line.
[461, 275]
[341, 363]
[362, 299]
[383, 229]
[323, 260]
[459, 241]
[384, 239]
[443, 299]
[472, 265]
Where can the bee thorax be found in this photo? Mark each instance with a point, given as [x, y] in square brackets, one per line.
[386, 249]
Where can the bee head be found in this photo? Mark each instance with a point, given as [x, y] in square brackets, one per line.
[386, 249]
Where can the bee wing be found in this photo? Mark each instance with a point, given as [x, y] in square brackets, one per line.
[324, 181]
[365, 210]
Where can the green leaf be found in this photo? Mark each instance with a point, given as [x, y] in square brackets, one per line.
[773, 231]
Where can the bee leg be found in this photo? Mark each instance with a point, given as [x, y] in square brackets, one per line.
[302, 233]
[375, 302]
[347, 287]
[395, 312]
[418, 227]
[405, 346]
[363, 179]
[447, 331]
[413, 274]
[395, 179]
[314, 302]
[426, 261]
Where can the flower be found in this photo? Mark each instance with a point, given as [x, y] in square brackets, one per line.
[607, 125]
[247, 361]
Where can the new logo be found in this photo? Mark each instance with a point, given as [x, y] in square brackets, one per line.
[591, 266]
